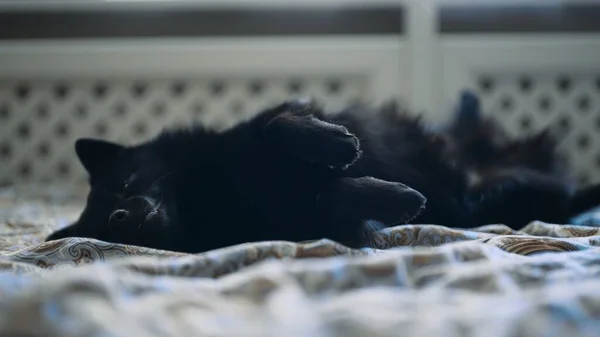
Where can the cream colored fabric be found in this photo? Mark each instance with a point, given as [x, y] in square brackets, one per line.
[418, 281]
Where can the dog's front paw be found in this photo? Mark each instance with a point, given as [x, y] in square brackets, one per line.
[308, 137]
[332, 145]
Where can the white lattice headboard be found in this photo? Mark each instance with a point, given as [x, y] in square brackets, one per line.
[567, 103]
[533, 68]
[528, 83]
[41, 119]
[54, 93]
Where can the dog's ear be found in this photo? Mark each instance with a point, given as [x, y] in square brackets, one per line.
[468, 125]
[468, 112]
[96, 155]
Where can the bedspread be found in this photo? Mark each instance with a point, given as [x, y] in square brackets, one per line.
[417, 280]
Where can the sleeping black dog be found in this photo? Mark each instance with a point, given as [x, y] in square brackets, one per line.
[295, 173]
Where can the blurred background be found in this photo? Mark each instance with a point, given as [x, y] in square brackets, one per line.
[124, 70]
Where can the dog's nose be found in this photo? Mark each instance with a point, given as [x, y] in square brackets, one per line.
[119, 215]
[130, 214]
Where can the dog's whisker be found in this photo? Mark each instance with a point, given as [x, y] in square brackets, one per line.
[160, 179]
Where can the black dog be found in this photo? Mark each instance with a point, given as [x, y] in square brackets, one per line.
[279, 176]
[294, 173]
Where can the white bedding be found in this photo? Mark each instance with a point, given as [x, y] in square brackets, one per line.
[420, 281]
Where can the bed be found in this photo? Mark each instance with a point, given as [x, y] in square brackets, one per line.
[418, 280]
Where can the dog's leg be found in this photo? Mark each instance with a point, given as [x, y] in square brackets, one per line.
[353, 202]
[297, 131]
[517, 197]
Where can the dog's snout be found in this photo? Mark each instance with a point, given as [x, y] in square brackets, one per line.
[119, 215]
[130, 213]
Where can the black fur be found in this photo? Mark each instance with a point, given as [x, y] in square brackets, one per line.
[294, 173]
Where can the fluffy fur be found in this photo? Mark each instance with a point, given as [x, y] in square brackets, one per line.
[295, 173]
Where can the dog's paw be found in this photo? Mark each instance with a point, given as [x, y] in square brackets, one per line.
[301, 132]
[368, 198]
[331, 145]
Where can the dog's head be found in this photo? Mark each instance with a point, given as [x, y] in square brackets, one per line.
[128, 198]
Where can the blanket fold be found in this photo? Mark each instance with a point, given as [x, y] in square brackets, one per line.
[415, 280]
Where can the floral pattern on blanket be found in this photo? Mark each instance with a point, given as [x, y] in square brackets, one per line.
[421, 280]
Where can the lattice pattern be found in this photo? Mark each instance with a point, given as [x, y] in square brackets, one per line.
[568, 103]
[40, 120]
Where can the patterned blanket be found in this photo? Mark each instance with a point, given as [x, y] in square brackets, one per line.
[419, 280]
